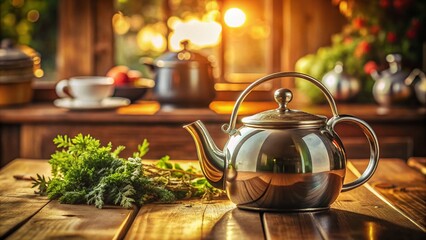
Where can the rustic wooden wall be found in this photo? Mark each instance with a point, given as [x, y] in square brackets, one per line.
[308, 25]
[86, 39]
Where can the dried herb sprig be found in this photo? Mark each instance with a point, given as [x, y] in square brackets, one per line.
[183, 183]
[84, 171]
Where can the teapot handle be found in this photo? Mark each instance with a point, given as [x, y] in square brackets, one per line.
[374, 148]
[230, 128]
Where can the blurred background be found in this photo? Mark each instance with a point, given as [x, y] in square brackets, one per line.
[243, 39]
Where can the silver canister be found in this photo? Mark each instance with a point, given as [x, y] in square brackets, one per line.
[390, 87]
[341, 85]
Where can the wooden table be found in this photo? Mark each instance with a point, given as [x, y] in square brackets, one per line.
[391, 206]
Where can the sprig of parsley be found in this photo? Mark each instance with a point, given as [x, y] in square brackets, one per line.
[84, 171]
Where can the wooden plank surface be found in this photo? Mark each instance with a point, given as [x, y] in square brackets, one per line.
[18, 202]
[405, 187]
[65, 221]
[11, 187]
[25, 215]
[196, 220]
[290, 226]
[358, 214]
[14, 212]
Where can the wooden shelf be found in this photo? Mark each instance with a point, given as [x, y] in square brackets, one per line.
[27, 131]
[219, 111]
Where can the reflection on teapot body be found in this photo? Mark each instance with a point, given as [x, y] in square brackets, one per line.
[390, 87]
[314, 169]
[295, 192]
[281, 159]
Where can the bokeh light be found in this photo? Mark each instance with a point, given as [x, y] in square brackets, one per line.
[33, 15]
[150, 39]
[200, 34]
[234, 17]
[120, 23]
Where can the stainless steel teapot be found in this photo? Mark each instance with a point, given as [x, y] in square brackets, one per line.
[281, 159]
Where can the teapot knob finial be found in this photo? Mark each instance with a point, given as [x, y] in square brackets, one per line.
[283, 96]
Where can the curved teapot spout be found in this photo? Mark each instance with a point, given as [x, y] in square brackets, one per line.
[212, 160]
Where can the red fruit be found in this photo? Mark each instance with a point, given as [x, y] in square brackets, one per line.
[358, 22]
[401, 4]
[116, 69]
[370, 67]
[363, 48]
[121, 78]
[391, 37]
[384, 3]
[411, 33]
[374, 29]
[119, 74]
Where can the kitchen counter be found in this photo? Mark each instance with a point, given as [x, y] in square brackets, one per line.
[27, 131]
[391, 206]
[219, 111]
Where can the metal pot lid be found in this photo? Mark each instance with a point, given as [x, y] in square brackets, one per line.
[283, 117]
[184, 56]
[13, 58]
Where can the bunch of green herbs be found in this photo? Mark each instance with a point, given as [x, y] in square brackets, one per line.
[84, 171]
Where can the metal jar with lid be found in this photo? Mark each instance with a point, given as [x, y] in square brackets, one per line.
[183, 79]
[16, 75]
[341, 85]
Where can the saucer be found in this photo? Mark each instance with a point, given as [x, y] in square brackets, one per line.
[107, 103]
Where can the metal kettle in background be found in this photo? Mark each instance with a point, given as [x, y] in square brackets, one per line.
[390, 87]
[341, 85]
[183, 79]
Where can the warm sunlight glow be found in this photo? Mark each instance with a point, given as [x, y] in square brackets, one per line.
[158, 43]
[149, 39]
[120, 23]
[201, 34]
[235, 17]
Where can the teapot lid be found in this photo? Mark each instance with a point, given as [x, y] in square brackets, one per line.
[283, 117]
[185, 56]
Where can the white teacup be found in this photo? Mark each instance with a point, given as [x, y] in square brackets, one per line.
[86, 89]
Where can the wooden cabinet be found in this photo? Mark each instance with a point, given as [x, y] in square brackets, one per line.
[165, 139]
[28, 131]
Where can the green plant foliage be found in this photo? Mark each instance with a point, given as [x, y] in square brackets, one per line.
[374, 29]
[32, 23]
[84, 171]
